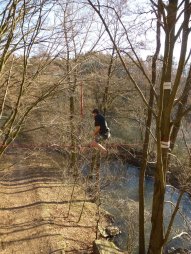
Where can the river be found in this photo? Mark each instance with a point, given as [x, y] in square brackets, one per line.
[119, 195]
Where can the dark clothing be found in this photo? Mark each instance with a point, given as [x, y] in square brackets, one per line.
[100, 121]
[99, 138]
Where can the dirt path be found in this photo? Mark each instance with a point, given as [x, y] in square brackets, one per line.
[34, 205]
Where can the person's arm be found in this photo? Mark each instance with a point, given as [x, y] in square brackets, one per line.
[96, 131]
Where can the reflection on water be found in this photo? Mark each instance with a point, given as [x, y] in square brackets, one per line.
[119, 187]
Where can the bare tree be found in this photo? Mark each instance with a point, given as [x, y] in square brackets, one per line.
[74, 28]
[164, 93]
[21, 26]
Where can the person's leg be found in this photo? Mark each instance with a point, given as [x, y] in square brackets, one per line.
[95, 144]
[99, 146]
[84, 148]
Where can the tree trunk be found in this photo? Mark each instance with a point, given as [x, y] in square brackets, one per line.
[181, 107]
[106, 91]
[163, 135]
[71, 89]
[146, 144]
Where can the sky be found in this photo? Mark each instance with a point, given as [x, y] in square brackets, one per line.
[136, 16]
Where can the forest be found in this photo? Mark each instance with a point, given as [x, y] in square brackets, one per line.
[59, 60]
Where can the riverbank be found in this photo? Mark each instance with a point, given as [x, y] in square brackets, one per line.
[43, 210]
[134, 155]
[41, 207]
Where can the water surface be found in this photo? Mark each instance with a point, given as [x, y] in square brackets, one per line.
[119, 192]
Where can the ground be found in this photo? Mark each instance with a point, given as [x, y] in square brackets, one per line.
[41, 210]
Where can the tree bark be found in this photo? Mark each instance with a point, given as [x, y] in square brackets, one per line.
[146, 143]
